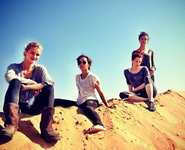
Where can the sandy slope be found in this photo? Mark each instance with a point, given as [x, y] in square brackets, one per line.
[129, 127]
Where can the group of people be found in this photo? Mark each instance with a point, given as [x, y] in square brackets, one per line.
[31, 90]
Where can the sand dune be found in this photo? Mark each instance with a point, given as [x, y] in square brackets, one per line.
[129, 127]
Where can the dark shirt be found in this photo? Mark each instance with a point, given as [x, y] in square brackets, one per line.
[148, 60]
[136, 79]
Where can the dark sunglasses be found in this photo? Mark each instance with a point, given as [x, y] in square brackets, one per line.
[84, 62]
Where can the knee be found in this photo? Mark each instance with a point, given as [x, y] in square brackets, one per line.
[123, 95]
[15, 83]
[148, 80]
[49, 88]
[88, 109]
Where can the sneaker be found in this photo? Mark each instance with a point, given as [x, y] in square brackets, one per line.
[151, 105]
[125, 94]
[147, 101]
[95, 128]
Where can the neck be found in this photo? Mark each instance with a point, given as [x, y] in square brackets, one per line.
[135, 68]
[84, 74]
[26, 65]
[142, 47]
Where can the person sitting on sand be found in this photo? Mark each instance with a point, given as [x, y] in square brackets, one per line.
[29, 81]
[140, 85]
[86, 83]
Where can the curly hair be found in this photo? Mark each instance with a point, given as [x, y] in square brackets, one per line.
[89, 60]
[143, 34]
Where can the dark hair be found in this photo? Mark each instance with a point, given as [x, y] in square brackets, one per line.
[88, 59]
[136, 54]
[143, 34]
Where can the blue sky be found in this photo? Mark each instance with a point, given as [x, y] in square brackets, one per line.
[105, 30]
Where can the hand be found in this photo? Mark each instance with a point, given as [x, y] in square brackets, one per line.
[151, 73]
[113, 106]
[23, 87]
[133, 90]
[36, 92]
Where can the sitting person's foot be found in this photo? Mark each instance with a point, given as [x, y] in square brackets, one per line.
[151, 105]
[95, 128]
[125, 94]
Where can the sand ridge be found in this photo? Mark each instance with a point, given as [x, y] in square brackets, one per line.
[129, 127]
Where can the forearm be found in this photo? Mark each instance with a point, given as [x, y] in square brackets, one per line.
[142, 86]
[102, 96]
[37, 86]
[130, 87]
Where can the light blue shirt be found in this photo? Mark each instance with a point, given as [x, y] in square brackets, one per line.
[40, 75]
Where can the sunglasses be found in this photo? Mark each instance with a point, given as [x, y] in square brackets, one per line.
[84, 62]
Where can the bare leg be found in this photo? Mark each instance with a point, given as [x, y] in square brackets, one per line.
[131, 97]
[135, 98]
[149, 91]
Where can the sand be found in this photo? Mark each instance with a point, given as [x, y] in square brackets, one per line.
[129, 127]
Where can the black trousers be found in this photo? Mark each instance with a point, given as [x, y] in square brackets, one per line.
[88, 107]
[44, 99]
[142, 92]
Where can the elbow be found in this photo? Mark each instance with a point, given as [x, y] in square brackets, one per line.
[8, 79]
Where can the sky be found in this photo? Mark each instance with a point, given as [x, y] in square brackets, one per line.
[105, 30]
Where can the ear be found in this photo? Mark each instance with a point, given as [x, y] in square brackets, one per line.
[89, 66]
[25, 51]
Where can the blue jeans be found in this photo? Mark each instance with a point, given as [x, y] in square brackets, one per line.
[44, 99]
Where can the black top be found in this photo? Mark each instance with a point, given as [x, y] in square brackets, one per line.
[136, 79]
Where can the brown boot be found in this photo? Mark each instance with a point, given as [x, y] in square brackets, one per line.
[11, 123]
[47, 132]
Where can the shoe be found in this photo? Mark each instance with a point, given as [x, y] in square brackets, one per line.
[47, 132]
[151, 105]
[11, 122]
[125, 94]
[95, 129]
[147, 101]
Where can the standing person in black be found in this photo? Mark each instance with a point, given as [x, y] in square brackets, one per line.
[148, 54]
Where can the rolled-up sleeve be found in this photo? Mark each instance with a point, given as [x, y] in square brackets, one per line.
[126, 77]
[14, 71]
[43, 75]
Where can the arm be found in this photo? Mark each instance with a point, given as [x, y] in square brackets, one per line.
[102, 96]
[142, 86]
[45, 77]
[41, 77]
[145, 74]
[14, 72]
[37, 86]
[153, 68]
[130, 87]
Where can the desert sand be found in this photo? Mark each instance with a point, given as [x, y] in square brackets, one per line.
[129, 127]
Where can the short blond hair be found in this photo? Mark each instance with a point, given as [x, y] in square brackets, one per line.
[33, 44]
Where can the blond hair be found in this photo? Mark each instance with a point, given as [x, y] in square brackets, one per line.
[32, 44]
